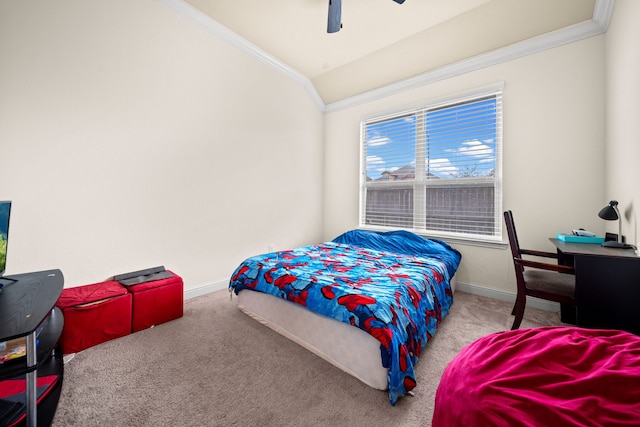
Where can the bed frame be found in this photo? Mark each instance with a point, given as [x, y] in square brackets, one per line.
[351, 349]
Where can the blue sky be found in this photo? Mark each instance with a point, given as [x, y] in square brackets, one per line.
[461, 139]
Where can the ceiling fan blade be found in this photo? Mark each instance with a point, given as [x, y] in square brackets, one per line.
[334, 22]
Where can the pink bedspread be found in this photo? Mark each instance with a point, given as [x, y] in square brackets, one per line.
[551, 376]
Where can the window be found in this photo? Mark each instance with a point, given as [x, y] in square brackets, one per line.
[435, 169]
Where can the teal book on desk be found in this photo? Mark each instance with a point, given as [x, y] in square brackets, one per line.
[571, 238]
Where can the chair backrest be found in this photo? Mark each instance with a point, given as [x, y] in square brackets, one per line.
[513, 237]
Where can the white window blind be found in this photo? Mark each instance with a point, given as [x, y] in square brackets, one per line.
[435, 169]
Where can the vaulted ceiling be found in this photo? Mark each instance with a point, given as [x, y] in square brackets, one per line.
[383, 42]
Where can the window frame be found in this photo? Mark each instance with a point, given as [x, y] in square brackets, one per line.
[420, 183]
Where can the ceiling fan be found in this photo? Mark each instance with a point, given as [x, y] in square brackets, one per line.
[334, 22]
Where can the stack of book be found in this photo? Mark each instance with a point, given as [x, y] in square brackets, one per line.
[572, 238]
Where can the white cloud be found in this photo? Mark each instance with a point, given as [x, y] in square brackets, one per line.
[377, 141]
[442, 166]
[475, 148]
[374, 161]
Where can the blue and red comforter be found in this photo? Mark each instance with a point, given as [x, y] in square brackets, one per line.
[398, 298]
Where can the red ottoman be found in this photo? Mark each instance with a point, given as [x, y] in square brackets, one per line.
[94, 314]
[156, 302]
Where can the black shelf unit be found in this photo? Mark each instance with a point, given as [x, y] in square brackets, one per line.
[27, 310]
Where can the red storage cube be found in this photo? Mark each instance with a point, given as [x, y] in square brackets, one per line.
[157, 301]
[94, 314]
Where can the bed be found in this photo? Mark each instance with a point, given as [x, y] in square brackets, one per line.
[367, 302]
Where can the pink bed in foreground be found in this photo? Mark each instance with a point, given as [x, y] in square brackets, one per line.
[551, 376]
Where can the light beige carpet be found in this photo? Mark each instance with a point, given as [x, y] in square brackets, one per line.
[218, 367]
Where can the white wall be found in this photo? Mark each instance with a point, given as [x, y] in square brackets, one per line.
[130, 138]
[623, 116]
[554, 132]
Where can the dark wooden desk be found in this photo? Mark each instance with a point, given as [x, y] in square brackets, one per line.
[607, 285]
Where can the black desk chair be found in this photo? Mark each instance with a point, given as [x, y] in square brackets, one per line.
[552, 282]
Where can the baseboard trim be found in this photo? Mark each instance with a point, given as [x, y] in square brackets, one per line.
[205, 289]
[507, 296]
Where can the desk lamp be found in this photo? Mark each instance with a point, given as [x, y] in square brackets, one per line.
[611, 213]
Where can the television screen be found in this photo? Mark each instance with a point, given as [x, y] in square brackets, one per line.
[5, 211]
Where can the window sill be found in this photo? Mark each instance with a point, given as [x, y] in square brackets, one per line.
[470, 242]
[453, 240]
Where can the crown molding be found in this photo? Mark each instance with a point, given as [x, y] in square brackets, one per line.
[213, 27]
[602, 13]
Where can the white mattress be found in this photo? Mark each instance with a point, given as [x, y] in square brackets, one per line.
[344, 346]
